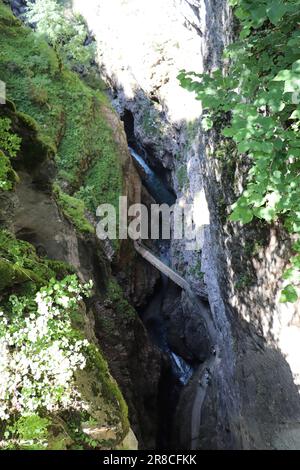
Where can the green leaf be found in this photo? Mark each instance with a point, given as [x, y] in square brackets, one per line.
[296, 246]
[258, 15]
[293, 152]
[296, 261]
[207, 123]
[295, 40]
[245, 32]
[292, 275]
[296, 66]
[276, 11]
[295, 114]
[293, 84]
[289, 294]
[282, 76]
[243, 147]
[241, 13]
[288, 274]
[241, 214]
[228, 132]
[266, 213]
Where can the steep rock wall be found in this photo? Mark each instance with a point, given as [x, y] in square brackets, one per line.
[253, 401]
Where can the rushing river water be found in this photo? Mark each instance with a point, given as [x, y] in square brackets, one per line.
[152, 315]
[153, 183]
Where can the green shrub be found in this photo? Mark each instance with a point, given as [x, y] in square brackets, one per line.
[121, 305]
[40, 351]
[63, 30]
[9, 142]
[28, 433]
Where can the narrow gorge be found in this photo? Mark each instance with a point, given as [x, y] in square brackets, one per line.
[158, 344]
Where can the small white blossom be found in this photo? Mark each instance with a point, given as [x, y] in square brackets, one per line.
[32, 377]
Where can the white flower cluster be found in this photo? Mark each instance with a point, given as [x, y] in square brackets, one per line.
[39, 352]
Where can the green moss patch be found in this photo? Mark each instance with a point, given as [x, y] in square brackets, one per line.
[20, 264]
[68, 115]
[110, 389]
[121, 305]
[74, 210]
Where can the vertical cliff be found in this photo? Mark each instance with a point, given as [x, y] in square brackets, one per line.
[253, 399]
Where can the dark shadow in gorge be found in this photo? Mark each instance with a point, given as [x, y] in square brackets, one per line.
[155, 316]
[158, 308]
[147, 153]
[256, 362]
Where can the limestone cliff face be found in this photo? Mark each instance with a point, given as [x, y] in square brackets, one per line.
[253, 401]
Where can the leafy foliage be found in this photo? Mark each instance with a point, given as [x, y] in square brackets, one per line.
[9, 146]
[20, 265]
[9, 142]
[44, 324]
[64, 31]
[261, 94]
[116, 295]
[40, 351]
[28, 432]
[72, 119]
[70, 116]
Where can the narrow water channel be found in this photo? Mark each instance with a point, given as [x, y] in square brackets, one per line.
[176, 371]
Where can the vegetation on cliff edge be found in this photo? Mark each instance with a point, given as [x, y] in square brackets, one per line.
[43, 403]
[69, 115]
[260, 93]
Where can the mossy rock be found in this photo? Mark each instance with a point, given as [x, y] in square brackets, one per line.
[34, 148]
[58, 437]
[109, 389]
[10, 275]
[10, 105]
[59, 115]
[19, 263]
[130, 442]
[27, 121]
[104, 424]
[74, 210]
[7, 18]
[60, 268]
[66, 117]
